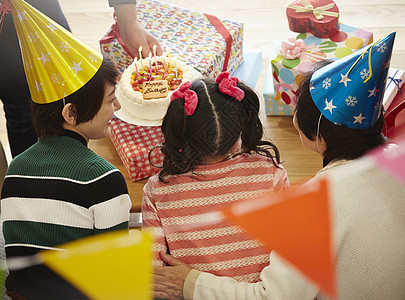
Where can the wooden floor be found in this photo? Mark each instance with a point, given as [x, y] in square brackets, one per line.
[264, 21]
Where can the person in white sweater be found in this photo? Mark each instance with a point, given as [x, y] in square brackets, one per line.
[368, 210]
[369, 229]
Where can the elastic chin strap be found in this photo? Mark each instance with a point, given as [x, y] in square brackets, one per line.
[317, 133]
[81, 131]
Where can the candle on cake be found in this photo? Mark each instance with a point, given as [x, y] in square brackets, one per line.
[150, 64]
[140, 56]
[164, 61]
[154, 54]
[136, 68]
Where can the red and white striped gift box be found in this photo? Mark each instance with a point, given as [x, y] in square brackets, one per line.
[133, 144]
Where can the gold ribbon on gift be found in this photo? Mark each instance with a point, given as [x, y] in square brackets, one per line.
[319, 12]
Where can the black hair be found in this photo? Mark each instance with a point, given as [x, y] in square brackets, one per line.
[216, 125]
[48, 119]
[341, 142]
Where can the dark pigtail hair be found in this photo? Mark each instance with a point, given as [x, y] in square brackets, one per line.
[218, 122]
[252, 130]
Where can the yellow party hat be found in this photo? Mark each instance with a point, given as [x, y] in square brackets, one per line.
[107, 266]
[56, 62]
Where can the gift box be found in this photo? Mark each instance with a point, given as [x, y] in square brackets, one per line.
[133, 144]
[274, 107]
[293, 58]
[112, 46]
[318, 17]
[205, 42]
[394, 83]
[250, 69]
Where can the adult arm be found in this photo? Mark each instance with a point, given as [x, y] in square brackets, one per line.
[131, 31]
[278, 281]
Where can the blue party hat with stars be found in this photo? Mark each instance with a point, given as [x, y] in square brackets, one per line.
[350, 91]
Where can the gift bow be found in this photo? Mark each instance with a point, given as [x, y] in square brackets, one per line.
[292, 48]
[396, 81]
[5, 8]
[319, 12]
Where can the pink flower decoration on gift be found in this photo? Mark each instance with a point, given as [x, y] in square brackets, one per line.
[227, 85]
[190, 97]
[292, 48]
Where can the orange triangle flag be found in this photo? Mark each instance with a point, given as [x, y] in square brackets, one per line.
[297, 225]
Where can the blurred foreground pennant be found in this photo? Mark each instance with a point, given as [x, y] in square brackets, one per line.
[296, 224]
[107, 266]
[392, 159]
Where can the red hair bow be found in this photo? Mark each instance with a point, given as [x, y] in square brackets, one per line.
[227, 85]
[189, 96]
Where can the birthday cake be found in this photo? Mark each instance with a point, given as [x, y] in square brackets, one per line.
[145, 74]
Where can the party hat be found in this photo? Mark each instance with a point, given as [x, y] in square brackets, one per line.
[350, 90]
[56, 62]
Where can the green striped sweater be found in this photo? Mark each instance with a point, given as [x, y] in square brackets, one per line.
[59, 191]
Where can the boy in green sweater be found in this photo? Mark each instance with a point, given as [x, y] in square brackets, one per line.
[59, 190]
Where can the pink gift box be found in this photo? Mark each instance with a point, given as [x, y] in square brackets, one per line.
[133, 144]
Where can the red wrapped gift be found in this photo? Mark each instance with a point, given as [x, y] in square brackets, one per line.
[394, 122]
[319, 17]
[133, 144]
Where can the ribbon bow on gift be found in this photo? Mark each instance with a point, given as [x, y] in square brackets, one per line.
[396, 81]
[319, 12]
[292, 48]
[5, 8]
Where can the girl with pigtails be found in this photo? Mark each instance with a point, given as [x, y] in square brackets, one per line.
[214, 156]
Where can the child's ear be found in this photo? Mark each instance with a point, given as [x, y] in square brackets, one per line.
[69, 114]
[321, 145]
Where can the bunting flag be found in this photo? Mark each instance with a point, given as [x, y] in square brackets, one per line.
[350, 90]
[392, 159]
[107, 266]
[296, 224]
[56, 62]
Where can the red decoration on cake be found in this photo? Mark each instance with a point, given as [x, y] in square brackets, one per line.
[319, 17]
[158, 71]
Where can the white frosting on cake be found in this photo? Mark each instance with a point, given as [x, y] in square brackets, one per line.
[148, 109]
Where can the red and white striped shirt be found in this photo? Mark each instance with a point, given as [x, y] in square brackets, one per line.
[183, 214]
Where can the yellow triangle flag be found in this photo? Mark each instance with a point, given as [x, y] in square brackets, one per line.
[108, 266]
[56, 62]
